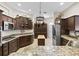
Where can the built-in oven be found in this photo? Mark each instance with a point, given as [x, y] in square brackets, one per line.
[7, 25]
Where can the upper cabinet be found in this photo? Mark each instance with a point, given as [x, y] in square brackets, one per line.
[22, 23]
[73, 23]
[1, 17]
[64, 26]
[7, 18]
[77, 23]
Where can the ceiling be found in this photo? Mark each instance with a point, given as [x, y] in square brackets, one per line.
[33, 7]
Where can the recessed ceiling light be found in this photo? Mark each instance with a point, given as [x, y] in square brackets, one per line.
[29, 10]
[19, 4]
[62, 3]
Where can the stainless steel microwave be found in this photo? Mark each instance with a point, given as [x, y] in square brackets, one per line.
[7, 25]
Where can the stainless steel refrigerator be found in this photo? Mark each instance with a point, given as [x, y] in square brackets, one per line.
[56, 34]
[0, 36]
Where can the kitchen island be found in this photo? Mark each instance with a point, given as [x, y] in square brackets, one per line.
[47, 51]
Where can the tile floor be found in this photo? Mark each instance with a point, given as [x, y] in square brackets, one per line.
[47, 50]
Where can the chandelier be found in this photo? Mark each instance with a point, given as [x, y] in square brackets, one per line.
[40, 18]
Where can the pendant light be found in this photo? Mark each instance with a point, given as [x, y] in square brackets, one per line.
[40, 18]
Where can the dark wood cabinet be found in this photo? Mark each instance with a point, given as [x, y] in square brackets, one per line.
[15, 24]
[1, 17]
[73, 23]
[25, 40]
[29, 39]
[69, 24]
[40, 29]
[29, 25]
[23, 23]
[13, 46]
[5, 50]
[22, 41]
[7, 18]
[0, 50]
[64, 26]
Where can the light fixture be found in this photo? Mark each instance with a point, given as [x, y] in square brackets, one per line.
[62, 3]
[19, 4]
[40, 18]
[29, 10]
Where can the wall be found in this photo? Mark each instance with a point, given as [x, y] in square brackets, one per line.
[72, 10]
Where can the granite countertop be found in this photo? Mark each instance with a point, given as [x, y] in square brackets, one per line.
[67, 37]
[14, 37]
[47, 51]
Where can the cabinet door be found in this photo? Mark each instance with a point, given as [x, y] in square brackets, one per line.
[5, 49]
[13, 46]
[25, 40]
[29, 40]
[0, 51]
[0, 19]
[30, 24]
[77, 23]
[22, 41]
[63, 24]
[71, 23]
[15, 24]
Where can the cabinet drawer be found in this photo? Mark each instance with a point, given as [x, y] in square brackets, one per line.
[13, 46]
[0, 50]
[5, 49]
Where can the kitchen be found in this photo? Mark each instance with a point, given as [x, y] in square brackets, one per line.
[44, 29]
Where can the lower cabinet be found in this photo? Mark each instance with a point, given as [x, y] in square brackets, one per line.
[5, 50]
[22, 41]
[29, 40]
[0, 50]
[13, 46]
[63, 42]
[25, 40]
